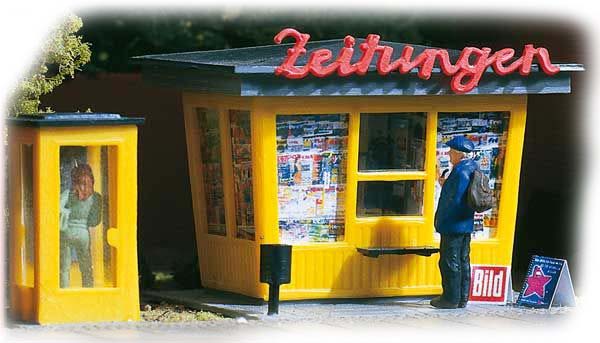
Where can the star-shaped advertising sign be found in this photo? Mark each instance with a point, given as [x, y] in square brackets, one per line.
[536, 283]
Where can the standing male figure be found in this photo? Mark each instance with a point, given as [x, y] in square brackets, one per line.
[454, 222]
[80, 210]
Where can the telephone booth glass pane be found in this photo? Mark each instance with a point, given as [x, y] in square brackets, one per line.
[87, 216]
[26, 230]
[489, 132]
[311, 167]
[241, 156]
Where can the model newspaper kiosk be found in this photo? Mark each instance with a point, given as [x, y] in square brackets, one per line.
[345, 166]
[73, 212]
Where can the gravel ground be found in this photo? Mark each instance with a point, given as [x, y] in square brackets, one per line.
[164, 312]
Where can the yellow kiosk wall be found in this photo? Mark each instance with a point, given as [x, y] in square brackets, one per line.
[337, 270]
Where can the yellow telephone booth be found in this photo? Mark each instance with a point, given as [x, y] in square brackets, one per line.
[73, 212]
[345, 169]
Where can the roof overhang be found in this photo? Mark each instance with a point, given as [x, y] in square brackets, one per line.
[262, 81]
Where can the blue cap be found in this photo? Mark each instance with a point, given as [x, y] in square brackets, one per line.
[461, 143]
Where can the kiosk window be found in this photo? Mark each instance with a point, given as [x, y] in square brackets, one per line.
[212, 171]
[392, 141]
[311, 168]
[393, 198]
[489, 132]
[241, 155]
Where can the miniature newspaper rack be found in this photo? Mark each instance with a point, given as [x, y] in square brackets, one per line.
[376, 251]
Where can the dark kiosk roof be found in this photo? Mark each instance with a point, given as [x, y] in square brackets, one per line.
[270, 55]
[250, 72]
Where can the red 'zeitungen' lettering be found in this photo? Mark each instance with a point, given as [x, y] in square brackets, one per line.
[464, 75]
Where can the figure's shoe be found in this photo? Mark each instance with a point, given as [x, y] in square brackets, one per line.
[462, 304]
[438, 302]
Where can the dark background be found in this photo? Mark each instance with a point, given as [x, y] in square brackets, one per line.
[553, 151]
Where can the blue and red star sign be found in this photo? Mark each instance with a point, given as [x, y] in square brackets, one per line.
[541, 281]
[536, 283]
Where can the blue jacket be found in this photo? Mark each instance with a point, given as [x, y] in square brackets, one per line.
[453, 214]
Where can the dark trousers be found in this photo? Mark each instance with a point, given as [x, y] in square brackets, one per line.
[455, 266]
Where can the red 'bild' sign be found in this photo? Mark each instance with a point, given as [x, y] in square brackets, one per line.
[465, 73]
[489, 284]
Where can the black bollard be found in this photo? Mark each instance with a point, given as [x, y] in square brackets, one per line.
[273, 299]
[275, 270]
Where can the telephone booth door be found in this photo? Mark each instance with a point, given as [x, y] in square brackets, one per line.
[88, 235]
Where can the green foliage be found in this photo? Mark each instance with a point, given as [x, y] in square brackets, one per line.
[63, 54]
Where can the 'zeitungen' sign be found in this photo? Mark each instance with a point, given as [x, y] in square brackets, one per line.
[465, 72]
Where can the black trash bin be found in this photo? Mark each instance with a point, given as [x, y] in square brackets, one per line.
[275, 270]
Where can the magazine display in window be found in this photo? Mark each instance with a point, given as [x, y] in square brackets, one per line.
[311, 157]
[241, 154]
[210, 145]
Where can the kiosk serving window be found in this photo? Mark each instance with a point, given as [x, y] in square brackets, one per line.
[391, 145]
[210, 144]
[489, 132]
[390, 198]
[311, 159]
[391, 141]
